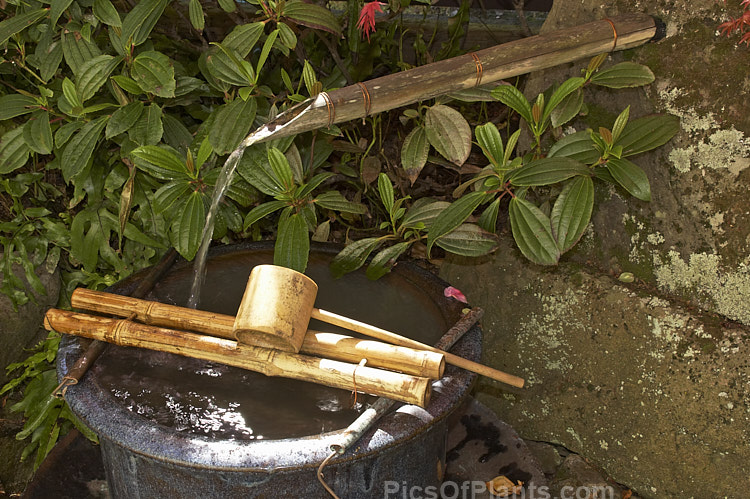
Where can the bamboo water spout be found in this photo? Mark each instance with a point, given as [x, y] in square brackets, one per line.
[484, 66]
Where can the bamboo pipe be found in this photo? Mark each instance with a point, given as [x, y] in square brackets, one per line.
[329, 345]
[484, 66]
[397, 386]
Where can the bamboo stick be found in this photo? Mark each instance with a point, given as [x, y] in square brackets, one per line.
[484, 66]
[397, 386]
[382, 334]
[329, 345]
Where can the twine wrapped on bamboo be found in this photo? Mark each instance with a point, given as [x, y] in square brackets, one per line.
[484, 66]
[329, 345]
[397, 386]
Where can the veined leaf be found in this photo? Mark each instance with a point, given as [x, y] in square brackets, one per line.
[14, 152]
[63, 134]
[197, 17]
[423, 213]
[233, 122]
[187, 227]
[13, 105]
[254, 168]
[449, 133]
[385, 188]
[77, 50]
[468, 240]
[334, 200]
[514, 99]
[382, 263]
[141, 20]
[159, 162]
[127, 84]
[547, 171]
[414, 150]
[266, 50]
[148, 129]
[93, 74]
[622, 75]
[38, 134]
[488, 218]
[227, 66]
[312, 16]
[532, 233]
[489, 140]
[107, 13]
[19, 22]
[227, 5]
[353, 256]
[154, 73]
[123, 119]
[648, 133]
[242, 39]
[572, 211]
[292, 247]
[50, 54]
[281, 169]
[57, 7]
[558, 96]
[81, 147]
[169, 193]
[262, 211]
[631, 177]
[577, 146]
[453, 216]
[567, 109]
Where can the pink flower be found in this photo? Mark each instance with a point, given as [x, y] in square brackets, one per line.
[366, 23]
[451, 292]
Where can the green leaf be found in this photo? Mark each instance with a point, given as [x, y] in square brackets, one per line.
[262, 211]
[631, 177]
[312, 16]
[123, 119]
[625, 74]
[353, 256]
[242, 39]
[233, 122]
[383, 262]
[50, 54]
[80, 148]
[19, 22]
[141, 20]
[572, 211]
[453, 216]
[567, 109]
[292, 247]
[77, 50]
[14, 152]
[57, 7]
[127, 84]
[414, 151]
[226, 65]
[620, 123]
[63, 134]
[266, 50]
[38, 134]
[159, 162]
[148, 130]
[197, 17]
[228, 5]
[70, 93]
[514, 99]
[468, 240]
[648, 133]
[107, 13]
[449, 133]
[169, 193]
[254, 168]
[187, 227]
[532, 233]
[558, 96]
[281, 170]
[423, 213]
[154, 73]
[547, 171]
[93, 74]
[16, 105]
[334, 200]
[473, 94]
[577, 146]
[287, 36]
[488, 219]
[489, 140]
[385, 188]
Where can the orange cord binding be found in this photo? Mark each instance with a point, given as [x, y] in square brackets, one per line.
[330, 107]
[614, 32]
[366, 98]
[480, 68]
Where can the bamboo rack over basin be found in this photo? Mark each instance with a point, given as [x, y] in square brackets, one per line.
[484, 66]
[329, 345]
[396, 386]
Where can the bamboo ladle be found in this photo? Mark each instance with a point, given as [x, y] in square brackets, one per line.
[279, 302]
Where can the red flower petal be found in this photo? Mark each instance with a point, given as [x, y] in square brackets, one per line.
[451, 292]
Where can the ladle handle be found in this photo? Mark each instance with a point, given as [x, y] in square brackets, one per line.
[396, 339]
